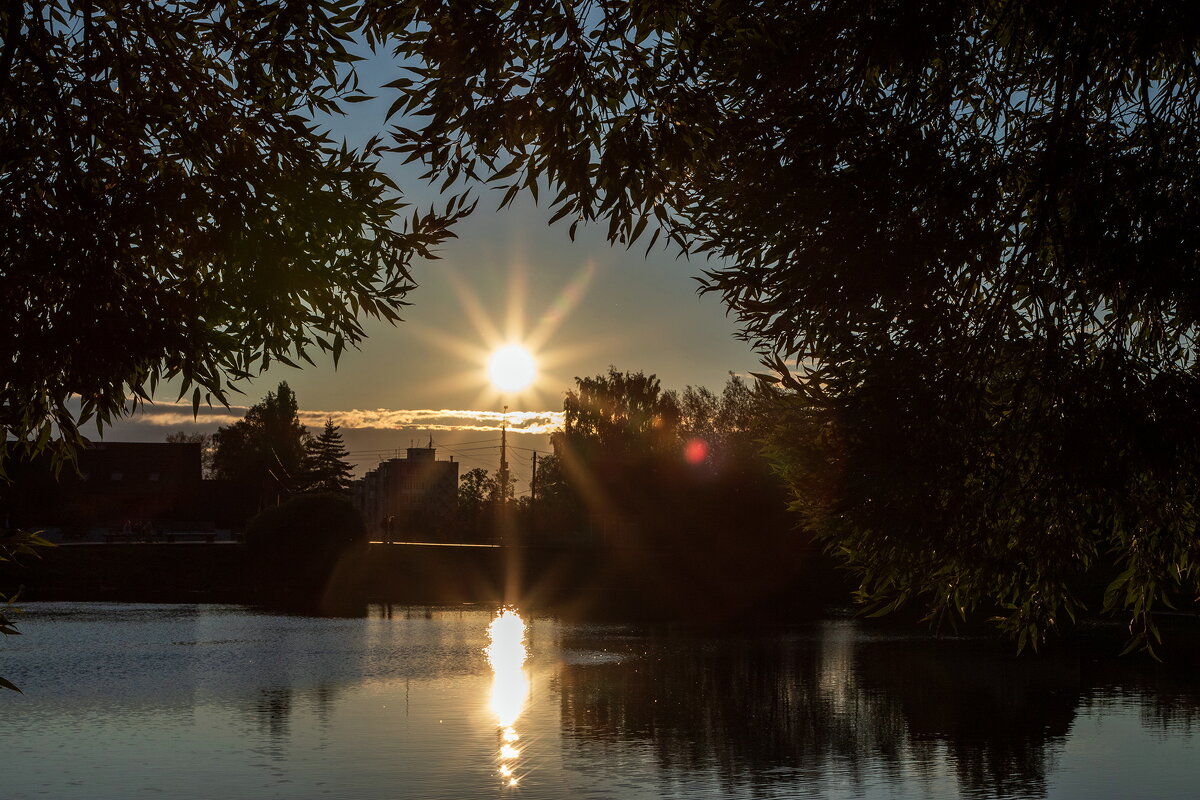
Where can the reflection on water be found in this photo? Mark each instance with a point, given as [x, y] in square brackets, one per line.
[835, 711]
[223, 701]
[506, 654]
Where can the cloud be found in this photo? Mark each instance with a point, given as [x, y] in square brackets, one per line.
[426, 419]
[174, 418]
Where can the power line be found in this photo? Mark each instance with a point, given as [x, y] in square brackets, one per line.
[469, 449]
[530, 449]
[444, 446]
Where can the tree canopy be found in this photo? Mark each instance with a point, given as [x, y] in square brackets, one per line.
[625, 415]
[634, 454]
[475, 488]
[264, 453]
[962, 234]
[173, 208]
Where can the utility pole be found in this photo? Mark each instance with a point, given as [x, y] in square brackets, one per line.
[533, 481]
[503, 476]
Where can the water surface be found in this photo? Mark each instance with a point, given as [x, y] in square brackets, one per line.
[134, 701]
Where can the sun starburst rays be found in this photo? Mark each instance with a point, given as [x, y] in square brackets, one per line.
[513, 337]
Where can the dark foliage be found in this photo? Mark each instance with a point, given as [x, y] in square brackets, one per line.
[475, 488]
[170, 208]
[264, 453]
[478, 497]
[648, 468]
[963, 234]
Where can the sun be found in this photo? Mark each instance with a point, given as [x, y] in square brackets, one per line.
[511, 368]
[516, 358]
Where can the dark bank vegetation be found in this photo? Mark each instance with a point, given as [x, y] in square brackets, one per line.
[635, 457]
[686, 467]
[307, 553]
[962, 236]
[672, 497]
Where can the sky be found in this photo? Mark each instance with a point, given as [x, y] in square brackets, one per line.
[579, 306]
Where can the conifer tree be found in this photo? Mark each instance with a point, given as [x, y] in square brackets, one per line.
[327, 469]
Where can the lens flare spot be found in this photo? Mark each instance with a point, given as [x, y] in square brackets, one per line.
[696, 451]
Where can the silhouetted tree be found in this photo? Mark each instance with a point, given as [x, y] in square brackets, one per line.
[325, 467]
[682, 474]
[557, 514]
[626, 415]
[962, 234]
[172, 207]
[264, 452]
[475, 487]
[698, 410]
[480, 510]
[502, 489]
[732, 427]
[618, 429]
[551, 482]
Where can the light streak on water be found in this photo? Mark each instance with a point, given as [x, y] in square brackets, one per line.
[506, 653]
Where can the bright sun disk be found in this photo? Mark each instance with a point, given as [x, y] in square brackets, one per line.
[511, 368]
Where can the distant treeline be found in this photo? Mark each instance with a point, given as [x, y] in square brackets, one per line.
[639, 466]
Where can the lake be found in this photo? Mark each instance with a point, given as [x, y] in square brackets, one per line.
[210, 701]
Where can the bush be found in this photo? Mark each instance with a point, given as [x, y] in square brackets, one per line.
[302, 551]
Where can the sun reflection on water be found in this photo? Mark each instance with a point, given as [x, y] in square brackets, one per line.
[510, 686]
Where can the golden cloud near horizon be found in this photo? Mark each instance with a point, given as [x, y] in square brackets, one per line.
[428, 419]
[438, 420]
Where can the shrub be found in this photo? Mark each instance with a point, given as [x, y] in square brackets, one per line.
[299, 549]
